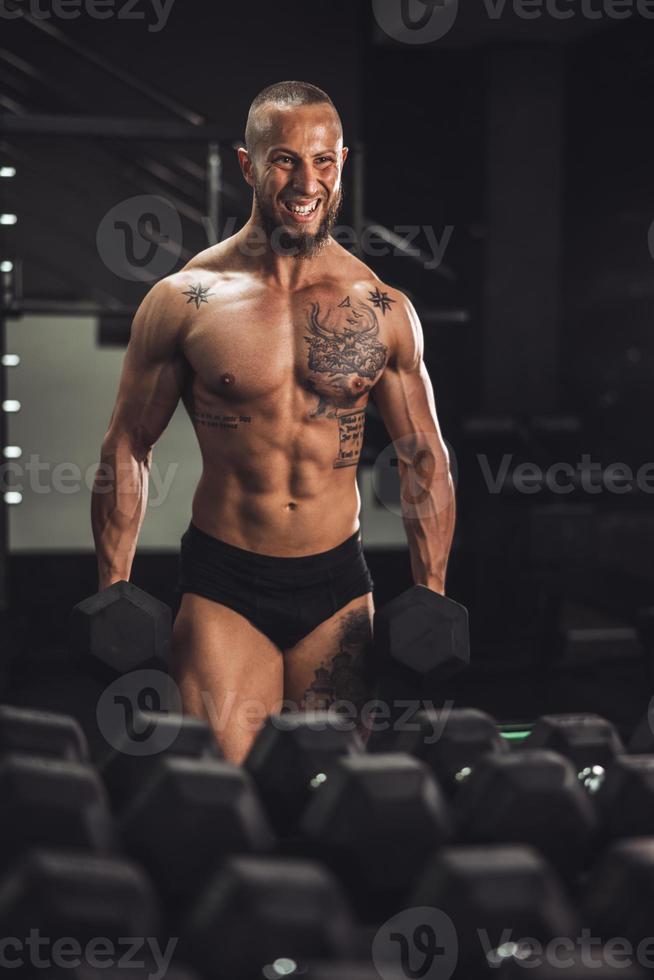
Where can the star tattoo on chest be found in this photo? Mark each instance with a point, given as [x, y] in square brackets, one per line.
[381, 301]
[197, 294]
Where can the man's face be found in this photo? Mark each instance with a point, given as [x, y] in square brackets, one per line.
[296, 175]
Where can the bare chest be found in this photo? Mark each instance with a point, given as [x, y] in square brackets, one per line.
[330, 345]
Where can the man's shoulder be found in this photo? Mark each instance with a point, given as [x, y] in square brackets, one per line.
[210, 267]
[360, 284]
[189, 287]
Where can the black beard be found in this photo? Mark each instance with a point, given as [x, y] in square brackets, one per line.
[301, 245]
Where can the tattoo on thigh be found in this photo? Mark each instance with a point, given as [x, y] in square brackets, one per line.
[341, 678]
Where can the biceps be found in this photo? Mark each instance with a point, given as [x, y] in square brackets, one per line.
[147, 397]
[406, 404]
[405, 400]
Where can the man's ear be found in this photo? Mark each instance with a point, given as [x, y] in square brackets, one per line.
[245, 163]
[344, 154]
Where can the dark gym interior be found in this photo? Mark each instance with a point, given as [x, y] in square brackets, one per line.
[500, 174]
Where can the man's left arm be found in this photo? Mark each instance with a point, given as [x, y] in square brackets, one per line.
[405, 399]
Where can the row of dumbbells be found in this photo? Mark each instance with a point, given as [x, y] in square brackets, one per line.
[315, 845]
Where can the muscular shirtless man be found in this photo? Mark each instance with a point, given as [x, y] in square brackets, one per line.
[275, 339]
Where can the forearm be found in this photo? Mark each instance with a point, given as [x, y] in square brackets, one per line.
[118, 503]
[429, 514]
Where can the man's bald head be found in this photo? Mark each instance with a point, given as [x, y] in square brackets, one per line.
[282, 95]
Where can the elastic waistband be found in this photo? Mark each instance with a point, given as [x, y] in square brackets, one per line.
[301, 563]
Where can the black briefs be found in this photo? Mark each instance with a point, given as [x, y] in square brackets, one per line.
[285, 598]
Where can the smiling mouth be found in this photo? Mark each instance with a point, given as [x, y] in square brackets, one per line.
[301, 209]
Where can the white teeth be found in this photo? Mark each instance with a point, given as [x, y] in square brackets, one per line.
[302, 209]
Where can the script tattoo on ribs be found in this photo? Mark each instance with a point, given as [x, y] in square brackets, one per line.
[350, 438]
[213, 421]
[345, 355]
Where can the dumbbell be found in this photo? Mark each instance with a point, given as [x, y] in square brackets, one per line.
[121, 629]
[265, 917]
[119, 642]
[70, 893]
[530, 796]
[590, 742]
[41, 733]
[625, 801]
[483, 894]
[620, 892]
[420, 638]
[449, 741]
[52, 803]
[642, 739]
[90, 915]
[126, 769]
[190, 816]
[291, 758]
[375, 821]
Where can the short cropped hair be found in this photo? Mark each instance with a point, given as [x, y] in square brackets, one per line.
[283, 94]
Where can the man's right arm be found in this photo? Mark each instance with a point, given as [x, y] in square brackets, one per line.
[153, 375]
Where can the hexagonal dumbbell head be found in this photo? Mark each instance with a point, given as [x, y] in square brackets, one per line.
[424, 632]
[121, 629]
[41, 733]
[588, 740]
[291, 757]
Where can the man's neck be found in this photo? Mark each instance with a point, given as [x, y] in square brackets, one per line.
[289, 272]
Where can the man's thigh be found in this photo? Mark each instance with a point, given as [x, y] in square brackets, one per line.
[227, 671]
[327, 665]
